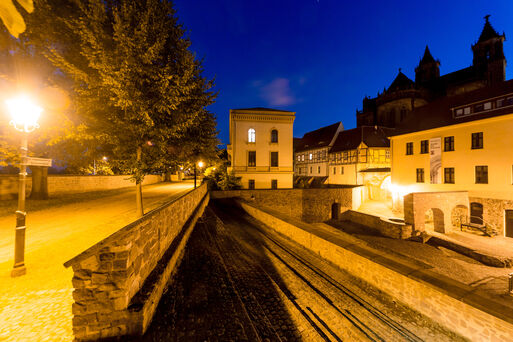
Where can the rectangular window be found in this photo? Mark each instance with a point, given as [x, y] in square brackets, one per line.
[466, 110]
[311, 170]
[448, 144]
[420, 175]
[499, 103]
[482, 174]
[298, 158]
[302, 157]
[251, 184]
[311, 156]
[487, 106]
[477, 140]
[449, 175]
[274, 184]
[345, 157]
[387, 155]
[334, 170]
[251, 158]
[424, 146]
[341, 170]
[478, 107]
[409, 148]
[459, 112]
[318, 169]
[274, 159]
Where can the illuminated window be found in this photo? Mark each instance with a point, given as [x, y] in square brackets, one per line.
[420, 175]
[409, 148]
[311, 156]
[302, 157]
[424, 146]
[298, 157]
[449, 175]
[251, 135]
[274, 136]
[252, 158]
[387, 155]
[482, 174]
[477, 140]
[448, 144]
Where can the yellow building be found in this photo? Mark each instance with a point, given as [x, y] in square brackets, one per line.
[461, 143]
[361, 156]
[311, 151]
[260, 149]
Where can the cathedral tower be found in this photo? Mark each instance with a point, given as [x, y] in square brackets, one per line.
[488, 54]
[428, 68]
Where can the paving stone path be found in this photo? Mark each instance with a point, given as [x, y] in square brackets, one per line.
[240, 282]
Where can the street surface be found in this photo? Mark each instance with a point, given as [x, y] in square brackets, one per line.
[240, 281]
[37, 306]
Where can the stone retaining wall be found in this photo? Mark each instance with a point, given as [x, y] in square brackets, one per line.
[309, 205]
[493, 212]
[72, 184]
[454, 305]
[119, 281]
[395, 230]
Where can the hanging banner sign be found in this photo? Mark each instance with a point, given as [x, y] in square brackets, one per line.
[37, 162]
[435, 160]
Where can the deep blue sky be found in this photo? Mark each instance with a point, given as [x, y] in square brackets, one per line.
[319, 58]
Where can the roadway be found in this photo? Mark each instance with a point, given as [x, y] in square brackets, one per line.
[38, 304]
[241, 281]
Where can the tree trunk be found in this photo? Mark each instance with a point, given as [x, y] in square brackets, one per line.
[138, 188]
[39, 183]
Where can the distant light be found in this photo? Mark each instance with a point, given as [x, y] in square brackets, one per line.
[149, 143]
[200, 164]
[181, 167]
[214, 168]
[105, 158]
[24, 113]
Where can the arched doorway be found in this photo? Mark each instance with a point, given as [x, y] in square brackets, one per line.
[335, 211]
[385, 188]
[476, 213]
[434, 221]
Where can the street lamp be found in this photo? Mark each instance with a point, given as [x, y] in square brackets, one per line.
[24, 116]
[200, 165]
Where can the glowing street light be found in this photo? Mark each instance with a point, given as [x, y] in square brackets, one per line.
[200, 165]
[105, 158]
[24, 116]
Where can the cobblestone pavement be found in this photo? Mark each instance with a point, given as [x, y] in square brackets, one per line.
[239, 281]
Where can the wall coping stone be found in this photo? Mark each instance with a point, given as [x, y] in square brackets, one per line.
[420, 273]
[118, 235]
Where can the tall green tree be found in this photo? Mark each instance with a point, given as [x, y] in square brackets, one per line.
[137, 87]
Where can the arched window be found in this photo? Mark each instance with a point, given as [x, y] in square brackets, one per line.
[251, 135]
[274, 136]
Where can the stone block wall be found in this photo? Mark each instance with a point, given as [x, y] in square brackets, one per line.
[493, 212]
[454, 305]
[309, 205]
[385, 227]
[72, 184]
[108, 275]
[442, 204]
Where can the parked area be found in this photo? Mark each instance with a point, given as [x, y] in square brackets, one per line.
[240, 281]
[38, 305]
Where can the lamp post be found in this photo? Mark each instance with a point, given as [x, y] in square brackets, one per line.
[200, 165]
[24, 116]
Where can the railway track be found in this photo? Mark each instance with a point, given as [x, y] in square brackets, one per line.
[322, 306]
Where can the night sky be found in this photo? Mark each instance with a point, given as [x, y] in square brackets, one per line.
[319, 58]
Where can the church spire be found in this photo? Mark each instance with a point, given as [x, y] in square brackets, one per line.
[428, 68]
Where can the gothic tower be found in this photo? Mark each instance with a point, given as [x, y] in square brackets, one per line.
[488, 54]
[428, 68]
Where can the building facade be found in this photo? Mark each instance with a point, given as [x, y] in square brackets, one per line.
[361, 156]
[311, 151]
[260, 149]
[461, 143]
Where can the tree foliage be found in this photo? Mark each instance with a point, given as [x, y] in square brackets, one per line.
[135, 85]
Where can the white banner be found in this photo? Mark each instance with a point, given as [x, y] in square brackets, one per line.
[435, 160]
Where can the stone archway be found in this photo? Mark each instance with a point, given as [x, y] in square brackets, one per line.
[335, 211]
[417, 204]
[459, 215]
